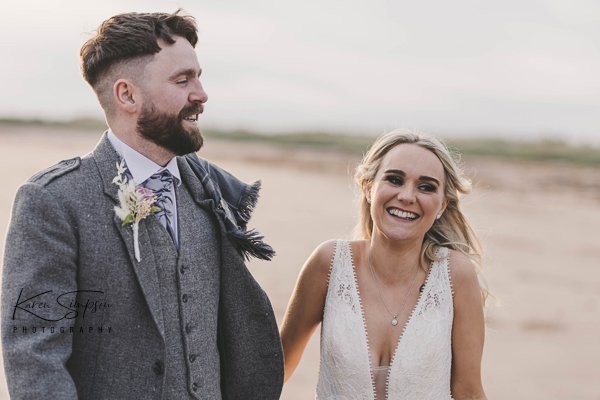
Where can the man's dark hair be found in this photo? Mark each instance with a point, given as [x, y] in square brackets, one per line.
[127, 38]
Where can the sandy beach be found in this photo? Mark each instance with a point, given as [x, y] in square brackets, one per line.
[539, 222]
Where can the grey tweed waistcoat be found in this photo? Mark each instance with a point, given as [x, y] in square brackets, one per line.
[192, 358]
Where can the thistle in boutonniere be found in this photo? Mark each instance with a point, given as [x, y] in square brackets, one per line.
[136, 204]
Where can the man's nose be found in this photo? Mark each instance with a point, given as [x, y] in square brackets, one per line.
[198, 95]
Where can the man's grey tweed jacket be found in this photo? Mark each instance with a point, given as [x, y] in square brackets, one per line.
[63, 237]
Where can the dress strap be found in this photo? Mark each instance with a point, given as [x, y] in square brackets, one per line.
[334, 258]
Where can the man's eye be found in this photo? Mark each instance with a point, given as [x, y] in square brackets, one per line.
[182, 81]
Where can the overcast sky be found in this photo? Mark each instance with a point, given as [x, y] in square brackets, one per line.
[512, 68]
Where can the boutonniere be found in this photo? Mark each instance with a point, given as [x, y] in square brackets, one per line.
[136, 204]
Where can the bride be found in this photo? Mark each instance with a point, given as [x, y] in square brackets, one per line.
[401, 307]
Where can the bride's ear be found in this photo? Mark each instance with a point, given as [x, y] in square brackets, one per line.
[444, 205]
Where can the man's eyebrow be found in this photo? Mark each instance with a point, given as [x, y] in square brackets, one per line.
[186, 72]
[421, 178]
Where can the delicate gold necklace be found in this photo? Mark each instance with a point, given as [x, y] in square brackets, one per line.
[394, 320]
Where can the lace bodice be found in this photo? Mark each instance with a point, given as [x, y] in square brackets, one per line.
[420, 367]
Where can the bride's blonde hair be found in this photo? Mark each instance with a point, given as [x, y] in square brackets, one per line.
[452, 229]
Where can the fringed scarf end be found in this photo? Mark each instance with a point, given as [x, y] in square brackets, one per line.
[250, 244]
[248, 202]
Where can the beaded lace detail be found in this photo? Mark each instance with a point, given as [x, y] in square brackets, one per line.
[420, 367]
[345, 367]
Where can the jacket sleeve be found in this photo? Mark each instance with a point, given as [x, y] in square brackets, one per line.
[40, 259]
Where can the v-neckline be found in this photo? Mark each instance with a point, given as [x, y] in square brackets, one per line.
[406, 324]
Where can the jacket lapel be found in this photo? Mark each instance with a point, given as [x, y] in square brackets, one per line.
[106, 159]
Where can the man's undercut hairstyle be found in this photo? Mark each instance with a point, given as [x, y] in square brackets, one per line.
[124, 43]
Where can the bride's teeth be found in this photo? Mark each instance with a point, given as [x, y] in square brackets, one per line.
[403, 214]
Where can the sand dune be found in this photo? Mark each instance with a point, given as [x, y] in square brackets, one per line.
[540, 224]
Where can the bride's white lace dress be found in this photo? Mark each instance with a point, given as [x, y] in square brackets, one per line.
[420, 367]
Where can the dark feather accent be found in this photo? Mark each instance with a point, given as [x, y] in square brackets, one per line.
[250, 244]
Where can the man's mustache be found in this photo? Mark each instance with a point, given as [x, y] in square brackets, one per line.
[196, 108]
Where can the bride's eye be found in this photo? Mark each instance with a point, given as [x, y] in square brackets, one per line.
[426, 187]
[394, 180]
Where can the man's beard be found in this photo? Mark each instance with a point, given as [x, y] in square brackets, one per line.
[167, 130]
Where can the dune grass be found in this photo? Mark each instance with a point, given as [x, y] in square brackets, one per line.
[528, 151]
[91, 124]
[544, 150]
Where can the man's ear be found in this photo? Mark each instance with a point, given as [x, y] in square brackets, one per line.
[127, 96]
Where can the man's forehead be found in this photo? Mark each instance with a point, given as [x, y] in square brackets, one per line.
[178, 58]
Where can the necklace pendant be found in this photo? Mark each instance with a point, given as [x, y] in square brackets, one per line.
[394, 322]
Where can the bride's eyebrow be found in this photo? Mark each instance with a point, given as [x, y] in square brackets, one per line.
[396, 171]
[428, 178]
[421, 178]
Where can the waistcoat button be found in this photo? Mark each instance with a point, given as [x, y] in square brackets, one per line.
[194, 386]
[158, 368]
[188, 328]
[184, 298]
[192, 357]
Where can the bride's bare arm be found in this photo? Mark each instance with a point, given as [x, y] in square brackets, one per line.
[305, 309]
[468, 330]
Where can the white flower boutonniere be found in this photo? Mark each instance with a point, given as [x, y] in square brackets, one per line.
[136, 204]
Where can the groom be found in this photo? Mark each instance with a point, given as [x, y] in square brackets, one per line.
[113, 292]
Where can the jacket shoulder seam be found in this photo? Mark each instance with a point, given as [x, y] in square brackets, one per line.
[47, 175]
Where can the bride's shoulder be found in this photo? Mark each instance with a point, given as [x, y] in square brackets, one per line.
[463, 272]
[320, 261]
[321, 258]
[326, 251]
[460, 264]
[313, 278]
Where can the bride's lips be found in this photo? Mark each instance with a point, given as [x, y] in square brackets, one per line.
[402, 214]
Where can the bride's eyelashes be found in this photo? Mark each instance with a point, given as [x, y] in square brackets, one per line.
[399, 181]
[395, 180]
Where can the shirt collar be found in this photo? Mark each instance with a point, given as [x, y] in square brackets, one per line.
[140, 166]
